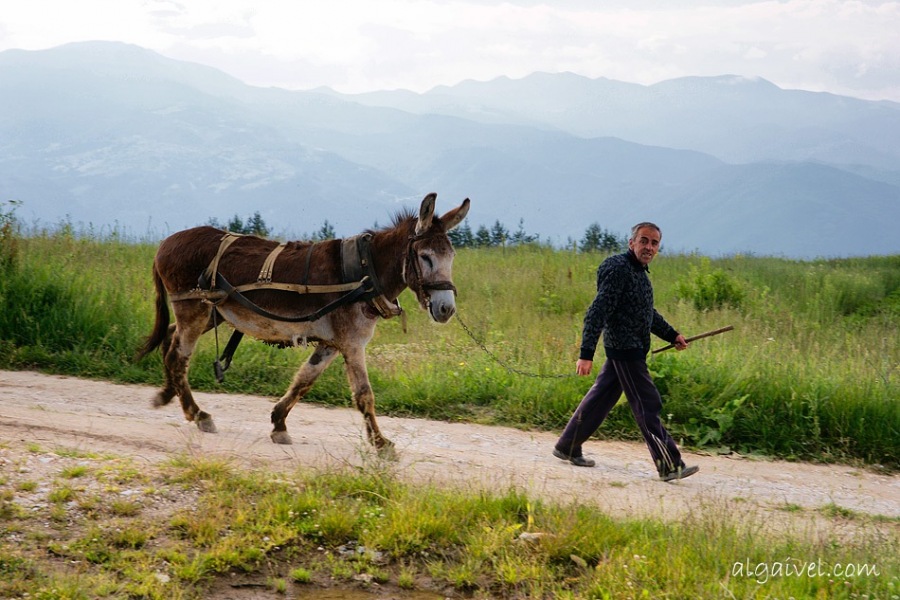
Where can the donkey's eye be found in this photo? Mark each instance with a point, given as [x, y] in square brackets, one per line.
[427, 260]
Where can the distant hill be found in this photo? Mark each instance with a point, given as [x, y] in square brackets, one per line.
[109, 134]
[734, 118]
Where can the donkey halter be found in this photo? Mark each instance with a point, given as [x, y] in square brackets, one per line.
[412, 275]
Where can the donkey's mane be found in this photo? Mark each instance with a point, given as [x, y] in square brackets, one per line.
[404, 214]
[397, 219]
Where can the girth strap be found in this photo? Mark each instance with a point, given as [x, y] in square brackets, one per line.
[364, 287]
[300, 288]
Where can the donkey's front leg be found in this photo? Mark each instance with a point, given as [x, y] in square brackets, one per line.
[303, 381]
[364, 397]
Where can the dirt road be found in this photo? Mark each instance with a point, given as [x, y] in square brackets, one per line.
[64, 412]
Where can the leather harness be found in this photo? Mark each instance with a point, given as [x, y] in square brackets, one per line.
[358, 277]
[359, 282]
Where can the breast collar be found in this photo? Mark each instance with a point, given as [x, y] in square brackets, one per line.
[357, 263]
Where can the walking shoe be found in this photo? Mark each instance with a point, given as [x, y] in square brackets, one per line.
[679, 473]
[578, 461]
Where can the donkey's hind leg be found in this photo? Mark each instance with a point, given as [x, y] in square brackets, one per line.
[191, 320]
[303, 381]
[165, 395]
[364, 397]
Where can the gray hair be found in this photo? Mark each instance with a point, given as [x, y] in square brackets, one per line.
[639, 226]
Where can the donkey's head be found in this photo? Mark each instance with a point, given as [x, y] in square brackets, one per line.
[429, 264]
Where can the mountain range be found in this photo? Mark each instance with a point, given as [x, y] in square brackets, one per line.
[110, 135]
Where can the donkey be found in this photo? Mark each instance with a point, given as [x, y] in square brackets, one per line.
[413, 252]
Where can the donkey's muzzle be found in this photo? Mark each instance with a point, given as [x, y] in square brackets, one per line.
[442, 305]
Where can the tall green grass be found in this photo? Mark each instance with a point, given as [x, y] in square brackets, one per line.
[812, 370]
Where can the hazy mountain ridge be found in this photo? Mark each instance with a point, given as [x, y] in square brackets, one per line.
[736, 119]
[108, 133]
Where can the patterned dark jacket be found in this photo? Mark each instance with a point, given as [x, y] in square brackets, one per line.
[623, 311]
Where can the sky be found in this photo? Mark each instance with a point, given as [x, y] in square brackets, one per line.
[847, 47]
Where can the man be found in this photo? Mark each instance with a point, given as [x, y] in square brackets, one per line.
[623, 311]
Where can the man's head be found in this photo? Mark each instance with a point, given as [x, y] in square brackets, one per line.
[644, 241]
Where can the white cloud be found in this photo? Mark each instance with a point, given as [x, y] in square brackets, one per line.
[845, 46]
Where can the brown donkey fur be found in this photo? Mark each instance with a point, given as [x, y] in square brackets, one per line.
[414, 252]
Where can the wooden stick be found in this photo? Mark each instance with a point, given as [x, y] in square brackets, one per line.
[696, 337]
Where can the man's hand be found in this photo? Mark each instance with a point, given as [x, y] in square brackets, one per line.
[583, 366]
[681, 343]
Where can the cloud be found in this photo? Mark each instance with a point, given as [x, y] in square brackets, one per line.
[845, 46]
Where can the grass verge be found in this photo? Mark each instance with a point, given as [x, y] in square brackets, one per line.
[78, 526]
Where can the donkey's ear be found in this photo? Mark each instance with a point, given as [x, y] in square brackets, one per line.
[455, 216]
[426, 213]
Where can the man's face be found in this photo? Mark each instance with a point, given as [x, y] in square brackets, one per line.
[645, 244]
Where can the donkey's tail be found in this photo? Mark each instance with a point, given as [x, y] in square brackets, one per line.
[161, 327]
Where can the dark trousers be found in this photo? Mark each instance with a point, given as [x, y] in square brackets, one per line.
[634, 379]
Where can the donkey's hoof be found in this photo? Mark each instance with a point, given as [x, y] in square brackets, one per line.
[206, 425]
[161, 399]
[387, 451]
[282, 437]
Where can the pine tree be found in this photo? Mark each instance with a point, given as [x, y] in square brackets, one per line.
[325, 233]
[236, 225]
[597, 239]
[499, 234]
[482, 237]
[257, 226]
[520, 237]
[462, 237]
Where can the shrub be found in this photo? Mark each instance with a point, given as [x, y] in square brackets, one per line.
[709, 288]
[9, 246]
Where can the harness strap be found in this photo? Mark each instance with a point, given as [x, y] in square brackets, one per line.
[215, 296]
[355, 258]
[211, 296]
[300, 288]
[440, 285]
[213, 268]
[308, 262]
[222, 363]
[387, 309]
[357, 261]
[364, 287]
[265, 274]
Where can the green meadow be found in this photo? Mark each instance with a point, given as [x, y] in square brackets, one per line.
[811, 372]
